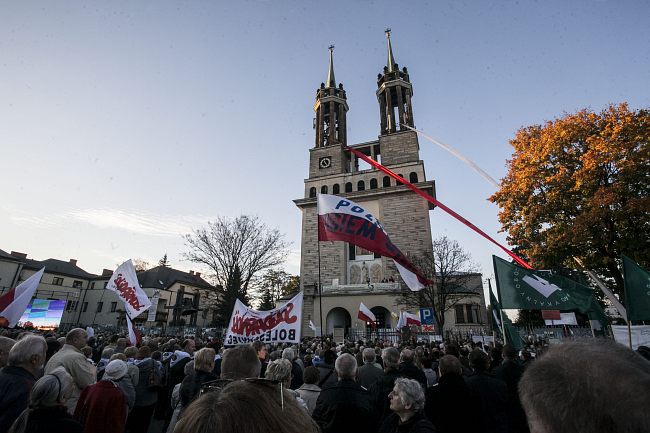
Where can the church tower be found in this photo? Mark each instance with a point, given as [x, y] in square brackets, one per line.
[349, 274]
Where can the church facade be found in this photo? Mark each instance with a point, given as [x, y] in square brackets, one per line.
[348, 274]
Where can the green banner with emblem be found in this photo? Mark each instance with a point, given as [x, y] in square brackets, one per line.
[637, 290]
[526, 289]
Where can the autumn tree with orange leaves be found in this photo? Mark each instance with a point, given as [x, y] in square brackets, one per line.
[578, 186]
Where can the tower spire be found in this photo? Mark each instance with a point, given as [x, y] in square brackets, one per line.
[331, 81]
[391, 59]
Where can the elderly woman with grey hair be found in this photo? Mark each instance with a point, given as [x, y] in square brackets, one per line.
[47, 411]
[280, 371]
[406, 402]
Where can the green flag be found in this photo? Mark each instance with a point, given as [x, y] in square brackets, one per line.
[637, 290]
[512, 334]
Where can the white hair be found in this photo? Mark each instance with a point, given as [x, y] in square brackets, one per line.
[25, 348]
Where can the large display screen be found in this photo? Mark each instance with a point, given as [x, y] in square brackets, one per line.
[43, 314]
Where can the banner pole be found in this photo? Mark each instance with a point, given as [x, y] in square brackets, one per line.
[629, 334]
[320, 287]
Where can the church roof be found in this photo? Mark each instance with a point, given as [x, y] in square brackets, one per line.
[163, 276]
[331, 81]
[391, 60]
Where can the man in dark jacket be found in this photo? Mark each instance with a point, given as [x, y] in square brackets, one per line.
[24, 364]
[492, 393]
[326, 369]
[345, 407]
[449, 402]
[407, 368]
[369, 372]
[510, 372]
[384, 385]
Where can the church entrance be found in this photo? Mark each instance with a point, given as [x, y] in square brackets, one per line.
[383, 317]
[338, 318]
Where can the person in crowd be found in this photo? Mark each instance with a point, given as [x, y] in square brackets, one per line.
[24, 365]
[240, 362]
[262, 352]
[406, 403]
[47, 412]
[492, 394]
[203, 366]
[525, 358]
[510, 371]
[496, 356]
[447, 401]
[120, 345]
[130, 353]
[280, 371]
[452, 349]
[586, 386]
[126, 383]
[176, 398]
[146, 396]
[309, 390]
[102, 407]
[74, 362]
[103, 361]
[429, 372]
[6, 344]
[246, 406]
[53, 346]
[368, 372]
[296, 370]
[384, 385]
[407, 367]
[345, 406]
[326, 368]
[177, 362]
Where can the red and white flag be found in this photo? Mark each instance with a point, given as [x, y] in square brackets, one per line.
[408, 319]
[341, 219]
[14, 303]
[366, 315]
[124, 283]
[135, 337]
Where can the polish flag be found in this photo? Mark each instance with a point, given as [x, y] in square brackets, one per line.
[366, 315]
[341, 219]
[14, 303]
[408, 319]
[135, 337]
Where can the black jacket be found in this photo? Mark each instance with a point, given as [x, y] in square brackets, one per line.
[296, 375]
[379, 394]
[493, 399]
[344, 407]
[510, 372]
[52, 420]
[411, 371]
[451, 406]
[15, 386]
[191, 386]
[418, 423]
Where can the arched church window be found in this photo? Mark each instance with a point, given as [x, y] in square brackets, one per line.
[413, 177]
[323, 189]
[373, 183]
[361, 185]
[312, 191]
[386, 182]
[348, 187]
[335, 188]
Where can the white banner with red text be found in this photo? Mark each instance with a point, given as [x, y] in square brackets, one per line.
[281, 325]
[124, 282]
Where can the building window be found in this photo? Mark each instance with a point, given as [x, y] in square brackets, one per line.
[361, 185]
[413, 177]
[352, 252]
[323, 189]
[312, 192]
[69, 306]
[113, 307]
[373, 183]
[57, 281]
[77, 284]
[84, 307]
[386, 182]
[348, 187]
[460, 313]
[105, 284]
[92, 285]
[335, 189]
[100, 305]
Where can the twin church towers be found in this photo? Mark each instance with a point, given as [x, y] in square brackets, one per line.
[349, 274]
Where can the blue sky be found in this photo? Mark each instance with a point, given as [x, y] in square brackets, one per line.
[124, 125]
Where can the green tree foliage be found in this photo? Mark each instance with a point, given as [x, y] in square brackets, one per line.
[276, 284]
[578, 186]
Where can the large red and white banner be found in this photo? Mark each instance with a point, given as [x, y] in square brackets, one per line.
[281, 325]
[124, 283]
[14, 303]
[341, 219]
[366, 315]
[408, 319]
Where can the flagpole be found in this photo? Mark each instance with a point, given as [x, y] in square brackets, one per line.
[629, 333]
[101, 299]
[320, 287]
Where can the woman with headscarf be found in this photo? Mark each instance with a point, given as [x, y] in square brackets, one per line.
[47, 412]
[102, 407]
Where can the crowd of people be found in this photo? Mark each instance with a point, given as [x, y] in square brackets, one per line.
[102, 384]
